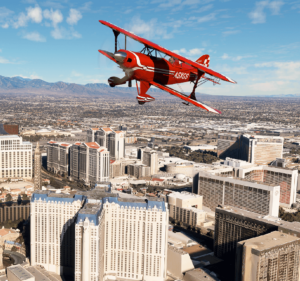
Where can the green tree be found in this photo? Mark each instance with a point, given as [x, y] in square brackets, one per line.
[8, 197]
[25, 197]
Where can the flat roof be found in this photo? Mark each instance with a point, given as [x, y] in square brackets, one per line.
[20, 272]
[9, 137]
[281, 224]
[269, 241]
[184, 195]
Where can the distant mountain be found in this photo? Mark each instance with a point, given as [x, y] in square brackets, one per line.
[19, 85]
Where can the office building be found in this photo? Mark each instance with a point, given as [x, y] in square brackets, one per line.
[233, 225]
[58, 157]
[273, 256]
[261, 150]
[102, 136]
[251, 196]
[15, 158]
[287, 179]
[91, 134]
[138, 170]
[37, 168]
[186, 207]
[116, 145]
[52, 230]
[13, 211]
[74, 160]
[228, 146]
[134, 239]
[89, 162]
[150, 159]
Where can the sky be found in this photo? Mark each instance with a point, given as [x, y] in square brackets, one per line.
[256, 43]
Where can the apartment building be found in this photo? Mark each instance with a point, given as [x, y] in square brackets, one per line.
[273, 256]
[150, 158]
[15, 158]
[91, 134]
[251, 196]
[134, 239]
[116, 145]
[186, 207]
[234, 224]
[102, 136]
[254, 149]
[52, 222]
[58, 157]
[37, 168]
[286, 178]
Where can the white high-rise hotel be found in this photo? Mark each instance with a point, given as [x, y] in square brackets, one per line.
[114, 238]
[15, 157]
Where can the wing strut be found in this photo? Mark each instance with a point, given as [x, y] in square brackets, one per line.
[116, 33]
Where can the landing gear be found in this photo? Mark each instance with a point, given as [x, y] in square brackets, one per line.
[142, 97]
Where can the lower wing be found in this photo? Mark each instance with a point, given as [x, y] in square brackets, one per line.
[185, 98]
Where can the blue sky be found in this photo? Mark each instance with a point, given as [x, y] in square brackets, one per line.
[256, 43]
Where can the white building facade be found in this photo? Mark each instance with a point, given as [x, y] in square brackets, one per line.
[52, 219]
[126, 240]
[15, 157]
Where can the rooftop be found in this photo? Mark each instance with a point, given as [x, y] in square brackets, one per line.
[184, 195]
[269, 241]
[20, 272]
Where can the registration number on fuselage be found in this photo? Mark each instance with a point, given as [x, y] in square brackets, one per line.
[181, 75]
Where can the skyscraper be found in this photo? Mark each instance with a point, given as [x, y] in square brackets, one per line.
[52, 222]
[15, 157]
[273, 256]
[124, 238]
[37, 168]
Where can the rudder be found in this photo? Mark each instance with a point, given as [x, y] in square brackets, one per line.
[204, 60]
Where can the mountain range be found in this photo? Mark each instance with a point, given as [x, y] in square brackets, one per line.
[18, 85]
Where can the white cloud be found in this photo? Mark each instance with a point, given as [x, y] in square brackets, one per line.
[32, 76]
[55, 16]
[62, 33]
[206, 18]
[151, 29]
[230, 32]
[21, 21]
[275, 7]
[4, 61]
[258, 15]
[289, 71]
[35, 14]
[235, 58]
[189, 53]
[34, 36]
[6, 25]
[74, 17]
[76, 74]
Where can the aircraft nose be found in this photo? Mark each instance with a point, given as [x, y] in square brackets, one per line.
[120, 56]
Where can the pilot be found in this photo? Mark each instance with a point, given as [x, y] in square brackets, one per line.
[171, 60]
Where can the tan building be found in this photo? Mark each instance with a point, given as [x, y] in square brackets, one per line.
[186, 207]
[37, 168]
[255, 197]
[273, 256]
[178, 262]
[15, 158]
[14, 211]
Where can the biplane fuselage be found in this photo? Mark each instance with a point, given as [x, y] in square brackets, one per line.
[149, 68]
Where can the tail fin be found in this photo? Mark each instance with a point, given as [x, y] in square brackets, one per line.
[204, 60]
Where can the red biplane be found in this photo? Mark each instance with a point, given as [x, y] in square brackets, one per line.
[150, 69]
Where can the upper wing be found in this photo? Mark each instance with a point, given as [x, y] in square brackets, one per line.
[167, 52]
